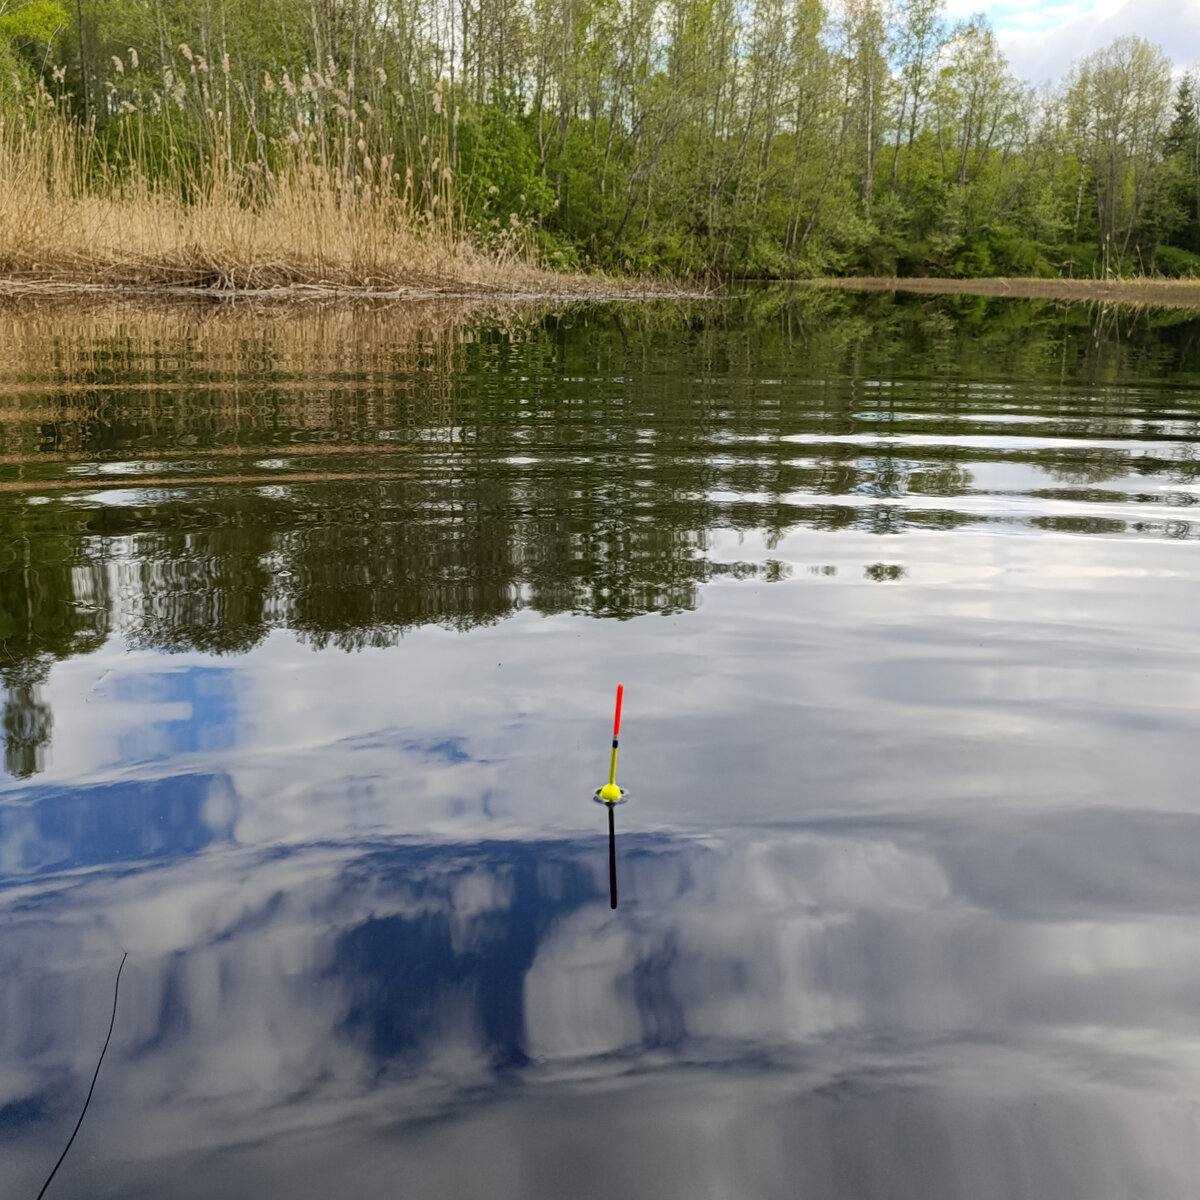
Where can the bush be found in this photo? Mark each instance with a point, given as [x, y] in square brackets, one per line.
[1176, 263]
[1001, 251]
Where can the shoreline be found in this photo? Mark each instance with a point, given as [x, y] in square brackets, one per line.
[1161, 293]
[583, 289]
[575, 289]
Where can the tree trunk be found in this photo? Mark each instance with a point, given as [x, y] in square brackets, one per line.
[83, 74]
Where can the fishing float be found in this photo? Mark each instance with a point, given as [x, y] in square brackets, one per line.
[610, 793]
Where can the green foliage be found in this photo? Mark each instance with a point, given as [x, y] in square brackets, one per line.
[499, 161]
[1178, 199]
[36, 21]
[1178, 263]
[1079, 260]
[1002, 250]
[26, 33]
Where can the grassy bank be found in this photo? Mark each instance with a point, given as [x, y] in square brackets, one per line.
[139, 217]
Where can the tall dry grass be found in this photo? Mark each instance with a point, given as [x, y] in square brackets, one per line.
[164, 203]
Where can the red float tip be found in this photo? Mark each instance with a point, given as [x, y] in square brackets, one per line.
[617, 718]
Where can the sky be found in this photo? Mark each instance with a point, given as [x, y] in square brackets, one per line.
[1041, 39]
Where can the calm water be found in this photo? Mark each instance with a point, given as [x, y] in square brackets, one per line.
[310, 625]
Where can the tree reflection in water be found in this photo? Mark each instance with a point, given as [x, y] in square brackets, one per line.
[185, 480]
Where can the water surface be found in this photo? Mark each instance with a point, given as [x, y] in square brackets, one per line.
[310, 623]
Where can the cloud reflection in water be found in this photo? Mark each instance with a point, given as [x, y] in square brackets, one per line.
[835, 1010]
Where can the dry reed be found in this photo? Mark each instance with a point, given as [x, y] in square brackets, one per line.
[233, 223]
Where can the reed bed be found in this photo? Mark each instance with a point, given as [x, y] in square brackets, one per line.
[168, 200]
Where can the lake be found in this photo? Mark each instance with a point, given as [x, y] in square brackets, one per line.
[311, 620]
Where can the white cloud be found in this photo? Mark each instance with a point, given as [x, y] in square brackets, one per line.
[1041, 50]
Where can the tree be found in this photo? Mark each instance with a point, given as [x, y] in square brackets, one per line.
[915, 44]
[1125, 89]
[1181, 152]
[864, 36]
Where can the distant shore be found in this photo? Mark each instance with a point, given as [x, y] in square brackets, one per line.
[483, 280]
[1166, 293]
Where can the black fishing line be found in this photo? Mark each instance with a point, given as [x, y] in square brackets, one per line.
[612, 857]
[111, 1023]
